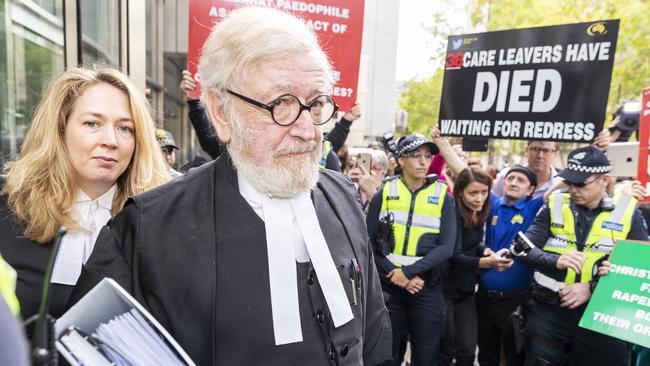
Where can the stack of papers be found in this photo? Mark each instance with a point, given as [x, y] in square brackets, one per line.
[128, 339]
[82, 349]
[109, 327]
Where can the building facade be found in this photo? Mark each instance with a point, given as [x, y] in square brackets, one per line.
[148, 40]
[41, 38]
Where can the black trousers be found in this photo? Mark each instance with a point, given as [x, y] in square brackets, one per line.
[459, 340]
[424, 316]
[495, 329]
[570, 345]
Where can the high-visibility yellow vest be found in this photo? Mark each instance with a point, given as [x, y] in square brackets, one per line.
[607, 228]
[413, 215]
[324, 152]
[8, 286]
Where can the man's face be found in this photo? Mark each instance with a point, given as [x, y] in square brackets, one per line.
[169, 155]
[517, 186]
[278, 160]
[593, 191]
[540, 155]
[415, 164]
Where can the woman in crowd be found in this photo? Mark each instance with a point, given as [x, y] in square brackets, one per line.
[91, 145]
[471, 196]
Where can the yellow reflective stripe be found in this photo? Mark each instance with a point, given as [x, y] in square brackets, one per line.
[393, 188]
[8, 278]
[425, 221]
[563, 239]
[555, 205]
[619, 209]
[396, 199]
[402, 260]
[326, 147]
[428, 205]
[398, 216]
[548, 282]
[438, 190]
[608, 227]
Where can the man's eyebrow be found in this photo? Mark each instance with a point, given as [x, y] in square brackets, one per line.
[276, 91]
[280, 89]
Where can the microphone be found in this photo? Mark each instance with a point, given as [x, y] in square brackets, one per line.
[42, 342]
[520, 246]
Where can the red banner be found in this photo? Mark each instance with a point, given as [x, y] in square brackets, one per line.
[337, 23]
[643, 175]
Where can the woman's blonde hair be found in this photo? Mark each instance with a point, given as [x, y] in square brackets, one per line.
[42, 185]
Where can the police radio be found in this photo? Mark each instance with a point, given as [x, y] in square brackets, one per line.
[431, 178]
[520, 246]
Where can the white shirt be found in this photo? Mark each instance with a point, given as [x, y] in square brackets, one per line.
[77, 246]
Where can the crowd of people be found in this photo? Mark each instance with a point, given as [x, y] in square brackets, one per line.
[285, 249]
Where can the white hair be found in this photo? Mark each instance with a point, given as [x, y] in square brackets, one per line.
[248, 35]
[379, 157]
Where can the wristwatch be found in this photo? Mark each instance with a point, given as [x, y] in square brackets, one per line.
[592, 285]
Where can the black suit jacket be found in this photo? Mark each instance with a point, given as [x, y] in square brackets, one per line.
[29, 259]
[194, 253]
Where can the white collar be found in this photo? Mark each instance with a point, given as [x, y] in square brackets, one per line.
[295, 218]
[77, 246]
[105, 200]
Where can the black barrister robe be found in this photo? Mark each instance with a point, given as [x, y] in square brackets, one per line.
[194, 253]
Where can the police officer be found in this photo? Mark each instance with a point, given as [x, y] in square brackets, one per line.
[420, 217]
[574, 233]
[168, 145]
[13, 343]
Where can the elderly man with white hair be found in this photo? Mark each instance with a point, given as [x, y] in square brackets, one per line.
[258, 257]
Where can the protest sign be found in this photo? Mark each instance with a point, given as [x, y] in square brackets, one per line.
[620, 306]
[546, 83]
[643, 174]
[337, 23]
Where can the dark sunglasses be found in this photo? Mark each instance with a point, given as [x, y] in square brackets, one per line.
[581, 184]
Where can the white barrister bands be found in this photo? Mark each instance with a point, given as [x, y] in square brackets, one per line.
[295, 218]
[321, 258]
[285, 307]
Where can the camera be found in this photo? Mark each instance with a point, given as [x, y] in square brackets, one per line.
[628, 114]
[520, 246]
[388, 140]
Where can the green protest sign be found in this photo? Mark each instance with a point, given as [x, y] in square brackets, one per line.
[620, 306]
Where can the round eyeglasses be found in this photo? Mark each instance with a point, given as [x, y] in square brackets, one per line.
[286, 108]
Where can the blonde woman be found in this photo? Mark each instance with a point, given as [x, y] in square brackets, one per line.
[90, 146]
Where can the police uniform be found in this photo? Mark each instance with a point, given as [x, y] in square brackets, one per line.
[13, 343]
[424, 231]
[328, 158]
[562, 227]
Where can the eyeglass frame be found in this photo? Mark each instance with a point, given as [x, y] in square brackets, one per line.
[417, 156]
[582, 184]
[269, 107]
[536, 150]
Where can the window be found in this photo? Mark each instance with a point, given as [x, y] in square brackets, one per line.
[31, 52]
[100, 32]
